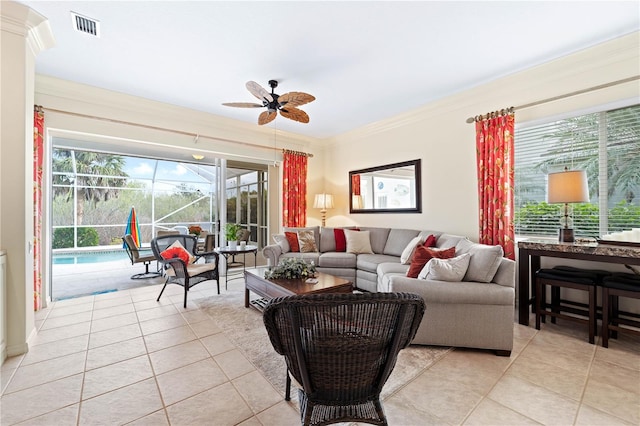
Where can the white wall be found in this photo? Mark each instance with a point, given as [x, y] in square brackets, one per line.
[438, 134]
[24, 34]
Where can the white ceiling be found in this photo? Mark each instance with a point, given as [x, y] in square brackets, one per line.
[363, 61]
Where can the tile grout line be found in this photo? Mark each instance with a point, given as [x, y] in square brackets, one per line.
[504, 373]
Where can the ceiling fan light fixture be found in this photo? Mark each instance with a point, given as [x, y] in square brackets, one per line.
[286, 103]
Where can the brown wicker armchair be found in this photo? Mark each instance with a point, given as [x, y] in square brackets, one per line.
[341, 348]
[181, 273]
[138, 255]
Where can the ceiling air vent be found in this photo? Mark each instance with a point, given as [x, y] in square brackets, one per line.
[85, 25]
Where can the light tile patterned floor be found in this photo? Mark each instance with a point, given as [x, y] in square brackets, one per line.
[122, 357]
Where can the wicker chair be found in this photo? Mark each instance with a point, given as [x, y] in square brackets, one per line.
[177, 271]
[137, 255]
[342, 348]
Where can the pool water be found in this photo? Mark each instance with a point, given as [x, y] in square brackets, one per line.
[89, 257]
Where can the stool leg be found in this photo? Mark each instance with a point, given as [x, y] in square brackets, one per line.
[614, 315]
[605, 317]
[555, 302]
[592, 314]
[539, 287]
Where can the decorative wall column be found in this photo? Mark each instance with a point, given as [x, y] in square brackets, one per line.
[25, 33]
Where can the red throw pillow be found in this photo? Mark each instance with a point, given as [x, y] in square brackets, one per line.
[431, 241]
[423, 254]
[176, 252]
[292, 238]
[341, 240]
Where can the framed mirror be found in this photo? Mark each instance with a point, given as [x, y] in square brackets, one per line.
[392, 188]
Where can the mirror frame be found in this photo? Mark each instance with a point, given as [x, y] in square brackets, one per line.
[418, 188]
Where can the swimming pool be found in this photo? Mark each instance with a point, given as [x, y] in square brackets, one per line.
[72, 258]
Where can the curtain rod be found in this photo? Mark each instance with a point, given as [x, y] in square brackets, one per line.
[290, 151]
[556, 98]
[163, 129]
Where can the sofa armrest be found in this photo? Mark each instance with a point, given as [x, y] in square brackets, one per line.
[506, 274]
[272, 254]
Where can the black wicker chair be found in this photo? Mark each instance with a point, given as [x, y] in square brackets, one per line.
[341, 349]
[181, 273]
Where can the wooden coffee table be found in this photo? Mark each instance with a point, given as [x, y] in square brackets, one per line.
[268, 289]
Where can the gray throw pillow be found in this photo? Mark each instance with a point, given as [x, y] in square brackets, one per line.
[281, 240]
[484, 262]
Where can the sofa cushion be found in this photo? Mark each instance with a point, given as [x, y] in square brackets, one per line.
[448, 240]
[337, 260]
[358, 241]
[292, 239]
[423, 254]
[398, 240]
[307, 241]
[308, 257]
[282, 241]
[446, 269]
[378, 238]
[484, 261]
[327, 240]
[370, 262]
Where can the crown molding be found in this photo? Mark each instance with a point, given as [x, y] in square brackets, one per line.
[24, 21]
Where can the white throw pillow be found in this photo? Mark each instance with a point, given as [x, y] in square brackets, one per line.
[446, 269]
[358, 242]
[407, 253]
[281, 240]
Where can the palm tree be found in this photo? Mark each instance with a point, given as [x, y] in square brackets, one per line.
[576, 145]
[94, 175]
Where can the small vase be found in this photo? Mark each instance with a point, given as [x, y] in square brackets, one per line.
[233, 244]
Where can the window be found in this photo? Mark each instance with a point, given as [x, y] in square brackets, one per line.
[605, 144]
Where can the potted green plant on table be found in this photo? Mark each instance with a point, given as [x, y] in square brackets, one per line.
[292, 268]
[231, 234]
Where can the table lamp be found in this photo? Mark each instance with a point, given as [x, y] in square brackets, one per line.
[323, 202]
[568, 186]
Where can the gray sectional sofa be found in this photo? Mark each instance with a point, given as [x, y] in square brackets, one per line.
[475, 312]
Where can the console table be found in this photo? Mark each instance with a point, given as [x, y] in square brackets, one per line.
[530, 252]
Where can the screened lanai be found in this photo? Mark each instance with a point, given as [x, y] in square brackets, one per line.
[92, 194]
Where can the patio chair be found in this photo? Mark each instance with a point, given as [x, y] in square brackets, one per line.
[137, 255]
[341, 349]
[186, 274]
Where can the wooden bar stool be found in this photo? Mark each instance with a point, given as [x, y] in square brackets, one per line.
[614, 286]
[568, 277]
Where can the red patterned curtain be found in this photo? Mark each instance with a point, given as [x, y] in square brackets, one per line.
[294, 189]
[355, 184]
[494, 150]
[38, 154]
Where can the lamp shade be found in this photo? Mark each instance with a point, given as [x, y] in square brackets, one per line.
[323, 201]
[570, 186]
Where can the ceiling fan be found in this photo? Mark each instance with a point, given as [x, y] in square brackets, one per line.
[287, 103]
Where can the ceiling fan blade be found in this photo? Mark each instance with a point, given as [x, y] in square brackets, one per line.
[259, 91]
[294, 99]
[243, 105]
[266, 117]
[295, 114]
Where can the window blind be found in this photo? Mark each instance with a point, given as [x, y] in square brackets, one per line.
[607, 146]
